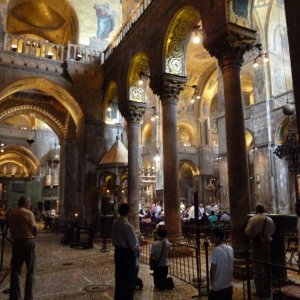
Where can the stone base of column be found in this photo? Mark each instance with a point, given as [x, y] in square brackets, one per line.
[241, 252]
[175, 239]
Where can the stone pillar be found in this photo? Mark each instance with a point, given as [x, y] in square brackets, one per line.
[168, 87]
[238, 173]
[292, 9]
[68, 178]
[229, 51]
[133, 114]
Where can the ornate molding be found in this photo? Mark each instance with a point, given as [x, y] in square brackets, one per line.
[33, 64]
[168, 87]
[134, 111]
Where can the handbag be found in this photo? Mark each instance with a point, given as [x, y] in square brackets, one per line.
[153, 262]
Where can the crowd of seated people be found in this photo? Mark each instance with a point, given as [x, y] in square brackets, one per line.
[208, 216]
[155, 214]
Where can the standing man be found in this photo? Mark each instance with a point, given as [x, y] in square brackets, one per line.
[23, 230]
[126, 252]
[221, 268]
[260, 229]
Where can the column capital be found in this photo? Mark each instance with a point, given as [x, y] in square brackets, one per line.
[167, 87]
[230, 45]
[133, 111]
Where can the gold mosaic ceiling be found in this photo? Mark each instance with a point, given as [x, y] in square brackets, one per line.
[53, 20]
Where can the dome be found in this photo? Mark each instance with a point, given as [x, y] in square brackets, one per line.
[53, 155]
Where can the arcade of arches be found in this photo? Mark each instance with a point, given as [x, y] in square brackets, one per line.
[194, 117]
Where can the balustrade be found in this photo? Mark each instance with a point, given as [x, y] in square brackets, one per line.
[84, 54]
[32, 47]
[46, 50]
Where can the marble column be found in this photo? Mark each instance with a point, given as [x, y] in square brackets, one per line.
[230, 63]
[168, 88]
[133, 114]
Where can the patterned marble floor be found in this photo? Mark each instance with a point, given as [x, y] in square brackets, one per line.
[70, 273]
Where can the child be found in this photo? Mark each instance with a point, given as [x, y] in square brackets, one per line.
[160, 252]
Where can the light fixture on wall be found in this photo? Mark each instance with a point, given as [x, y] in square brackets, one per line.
[14, 47]
[49, 54]
[259, 55]
[197, 34]
[78, 56]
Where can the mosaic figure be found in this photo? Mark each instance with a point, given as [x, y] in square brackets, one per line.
[105, 19]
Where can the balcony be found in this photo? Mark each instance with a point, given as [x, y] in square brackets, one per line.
[52, 52]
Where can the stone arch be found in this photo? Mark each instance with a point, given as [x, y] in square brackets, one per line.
[55, 21]
[188, 165]
[22, 157]
[187, 170]
[177, 37]
[44, 115]
[247, 89]
[111, 114]
[186, 134]
[281, 129]
[278, 47]
[210, 89]
[139, 65]
[147, 134]
[50, 88]
[250, 141]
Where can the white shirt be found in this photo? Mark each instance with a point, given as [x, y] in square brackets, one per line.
[156, 251]
[260, 224]
[192, 212]
[222, 257]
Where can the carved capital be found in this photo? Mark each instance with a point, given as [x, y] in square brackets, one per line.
[230, 45]
[133, 111]
[168, 87]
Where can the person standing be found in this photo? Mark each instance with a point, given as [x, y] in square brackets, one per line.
[192, 214]
[126, 252]
[213, 219]
[260, 229]
[221, 269]
[23, 230]
[160, 252]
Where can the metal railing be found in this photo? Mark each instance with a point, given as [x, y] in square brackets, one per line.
[183, 263]
[278, 288]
